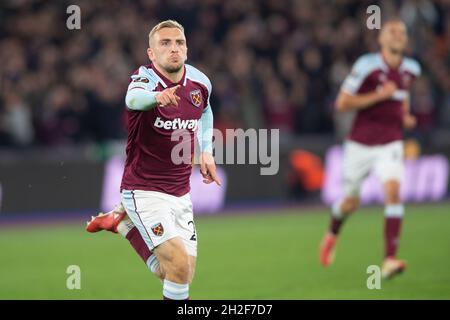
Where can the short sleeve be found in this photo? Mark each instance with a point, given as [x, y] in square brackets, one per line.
[142, 79]
[359, 72]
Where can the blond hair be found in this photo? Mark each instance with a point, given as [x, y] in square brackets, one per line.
[162, 25]
[390, 20]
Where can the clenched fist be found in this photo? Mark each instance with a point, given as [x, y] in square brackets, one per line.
[387, 90]
[409, 121]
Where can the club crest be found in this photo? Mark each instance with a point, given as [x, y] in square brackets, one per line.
[158, 229]
[196, 97]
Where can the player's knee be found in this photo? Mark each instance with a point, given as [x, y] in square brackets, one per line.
[181, 273]
[180, 269]
[350, 205]
[392, 192]
[393, 198]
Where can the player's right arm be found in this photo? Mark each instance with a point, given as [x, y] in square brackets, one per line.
[348, 102]
[349, 99]
[141, 97]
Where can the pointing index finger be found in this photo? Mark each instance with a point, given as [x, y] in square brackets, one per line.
[173, 89]
[214, 177]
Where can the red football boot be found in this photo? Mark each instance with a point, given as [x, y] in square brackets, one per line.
[326, 253]
[392, 267]
[106, 221]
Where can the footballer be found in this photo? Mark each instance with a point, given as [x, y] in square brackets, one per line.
[377, 89]
[156, 214]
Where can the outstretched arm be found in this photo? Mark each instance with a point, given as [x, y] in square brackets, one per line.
[140, 99]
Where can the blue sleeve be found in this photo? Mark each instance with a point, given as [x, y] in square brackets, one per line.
[205, 132]
[140, 99]
[140, 95]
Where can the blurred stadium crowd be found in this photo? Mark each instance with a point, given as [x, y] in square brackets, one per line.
[273, 64]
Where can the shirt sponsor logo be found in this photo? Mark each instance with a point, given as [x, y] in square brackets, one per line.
[176, 123]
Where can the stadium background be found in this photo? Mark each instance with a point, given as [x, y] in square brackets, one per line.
[273, 64]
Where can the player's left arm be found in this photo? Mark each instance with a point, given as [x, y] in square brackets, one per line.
[409, 121]
[205, 136]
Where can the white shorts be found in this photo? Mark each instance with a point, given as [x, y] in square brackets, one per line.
[359, 160]
[160, 217]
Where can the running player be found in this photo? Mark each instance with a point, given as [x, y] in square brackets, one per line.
[378, 90]
[166, 102]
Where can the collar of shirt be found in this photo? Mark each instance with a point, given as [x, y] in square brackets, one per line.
[169, 83]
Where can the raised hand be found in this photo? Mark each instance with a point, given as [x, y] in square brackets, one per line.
[168, 96]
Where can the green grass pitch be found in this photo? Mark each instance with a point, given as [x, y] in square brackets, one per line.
[258, 256]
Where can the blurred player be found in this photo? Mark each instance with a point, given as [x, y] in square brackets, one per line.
[377, 89]
[156, 211]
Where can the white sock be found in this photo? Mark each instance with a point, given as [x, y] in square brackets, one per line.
[336, 210]
[394, 210]
[119, 208]
[175, 291]
[153, 263]
[125, 226]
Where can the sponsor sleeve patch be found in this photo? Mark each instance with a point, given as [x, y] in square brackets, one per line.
[141, 79]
